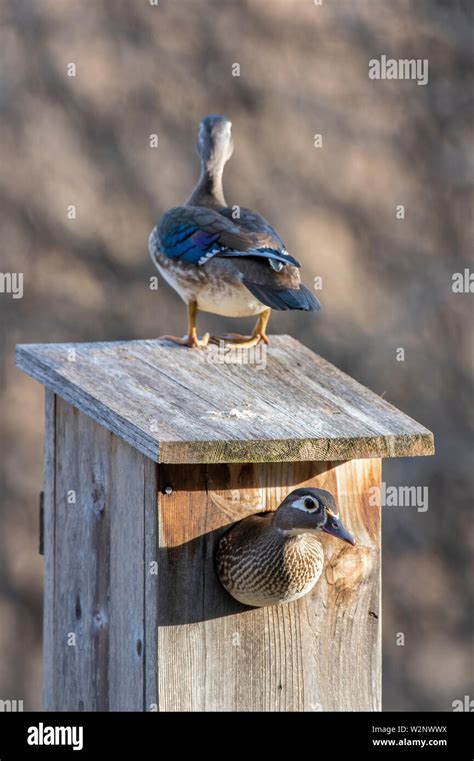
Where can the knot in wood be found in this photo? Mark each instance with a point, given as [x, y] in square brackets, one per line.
[99, 619]
[98, 498]
[349, 567]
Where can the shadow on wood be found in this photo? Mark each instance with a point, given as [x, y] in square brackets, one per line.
[194, 596]
[188, 587]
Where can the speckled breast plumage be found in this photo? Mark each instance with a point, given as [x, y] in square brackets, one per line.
[260, 567]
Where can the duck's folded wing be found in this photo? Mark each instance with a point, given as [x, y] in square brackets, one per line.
[253, 222]
[194, 234]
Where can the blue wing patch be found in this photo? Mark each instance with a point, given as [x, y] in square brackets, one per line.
[188, 242]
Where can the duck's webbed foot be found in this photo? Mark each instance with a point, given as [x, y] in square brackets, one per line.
[237, 340]
[192, 340]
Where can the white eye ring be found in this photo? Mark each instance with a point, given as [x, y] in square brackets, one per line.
[310, 504]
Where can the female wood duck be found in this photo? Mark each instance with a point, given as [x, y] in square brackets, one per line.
[222, 260]
[275, 557]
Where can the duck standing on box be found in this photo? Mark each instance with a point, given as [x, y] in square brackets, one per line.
[235, 267]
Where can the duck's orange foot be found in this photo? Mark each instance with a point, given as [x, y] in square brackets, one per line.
[192, 340]
[237, 341]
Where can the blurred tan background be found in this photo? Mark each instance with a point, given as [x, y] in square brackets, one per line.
[84, 140]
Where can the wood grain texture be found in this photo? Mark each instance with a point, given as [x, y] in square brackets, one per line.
[321, 652]
[95, 579]
[127, 624]
[49, 488]
[179, 406]
[150, 504]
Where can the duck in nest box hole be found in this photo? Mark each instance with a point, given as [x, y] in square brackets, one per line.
[225, 260]
[275, 557]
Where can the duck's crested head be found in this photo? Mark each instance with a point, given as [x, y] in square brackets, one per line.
[310, 510]
[214, 142]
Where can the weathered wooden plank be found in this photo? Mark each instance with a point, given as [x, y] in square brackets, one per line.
[99, 580]
[319, 653]
[151, 585]
[181, 406]
[349, 634]
[82, 570]
[51, 370]
[127, 577]
[49, 489]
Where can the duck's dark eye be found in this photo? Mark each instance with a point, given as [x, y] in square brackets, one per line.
[310, 504]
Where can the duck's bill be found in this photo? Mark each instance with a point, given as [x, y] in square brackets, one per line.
[335, 528]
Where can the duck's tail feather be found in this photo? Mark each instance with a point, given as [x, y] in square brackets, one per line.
[284, 298]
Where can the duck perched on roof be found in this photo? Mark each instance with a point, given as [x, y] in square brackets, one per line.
[275, 557]
[222, 261]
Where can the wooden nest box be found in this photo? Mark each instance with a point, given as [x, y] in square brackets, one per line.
[151, 452]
